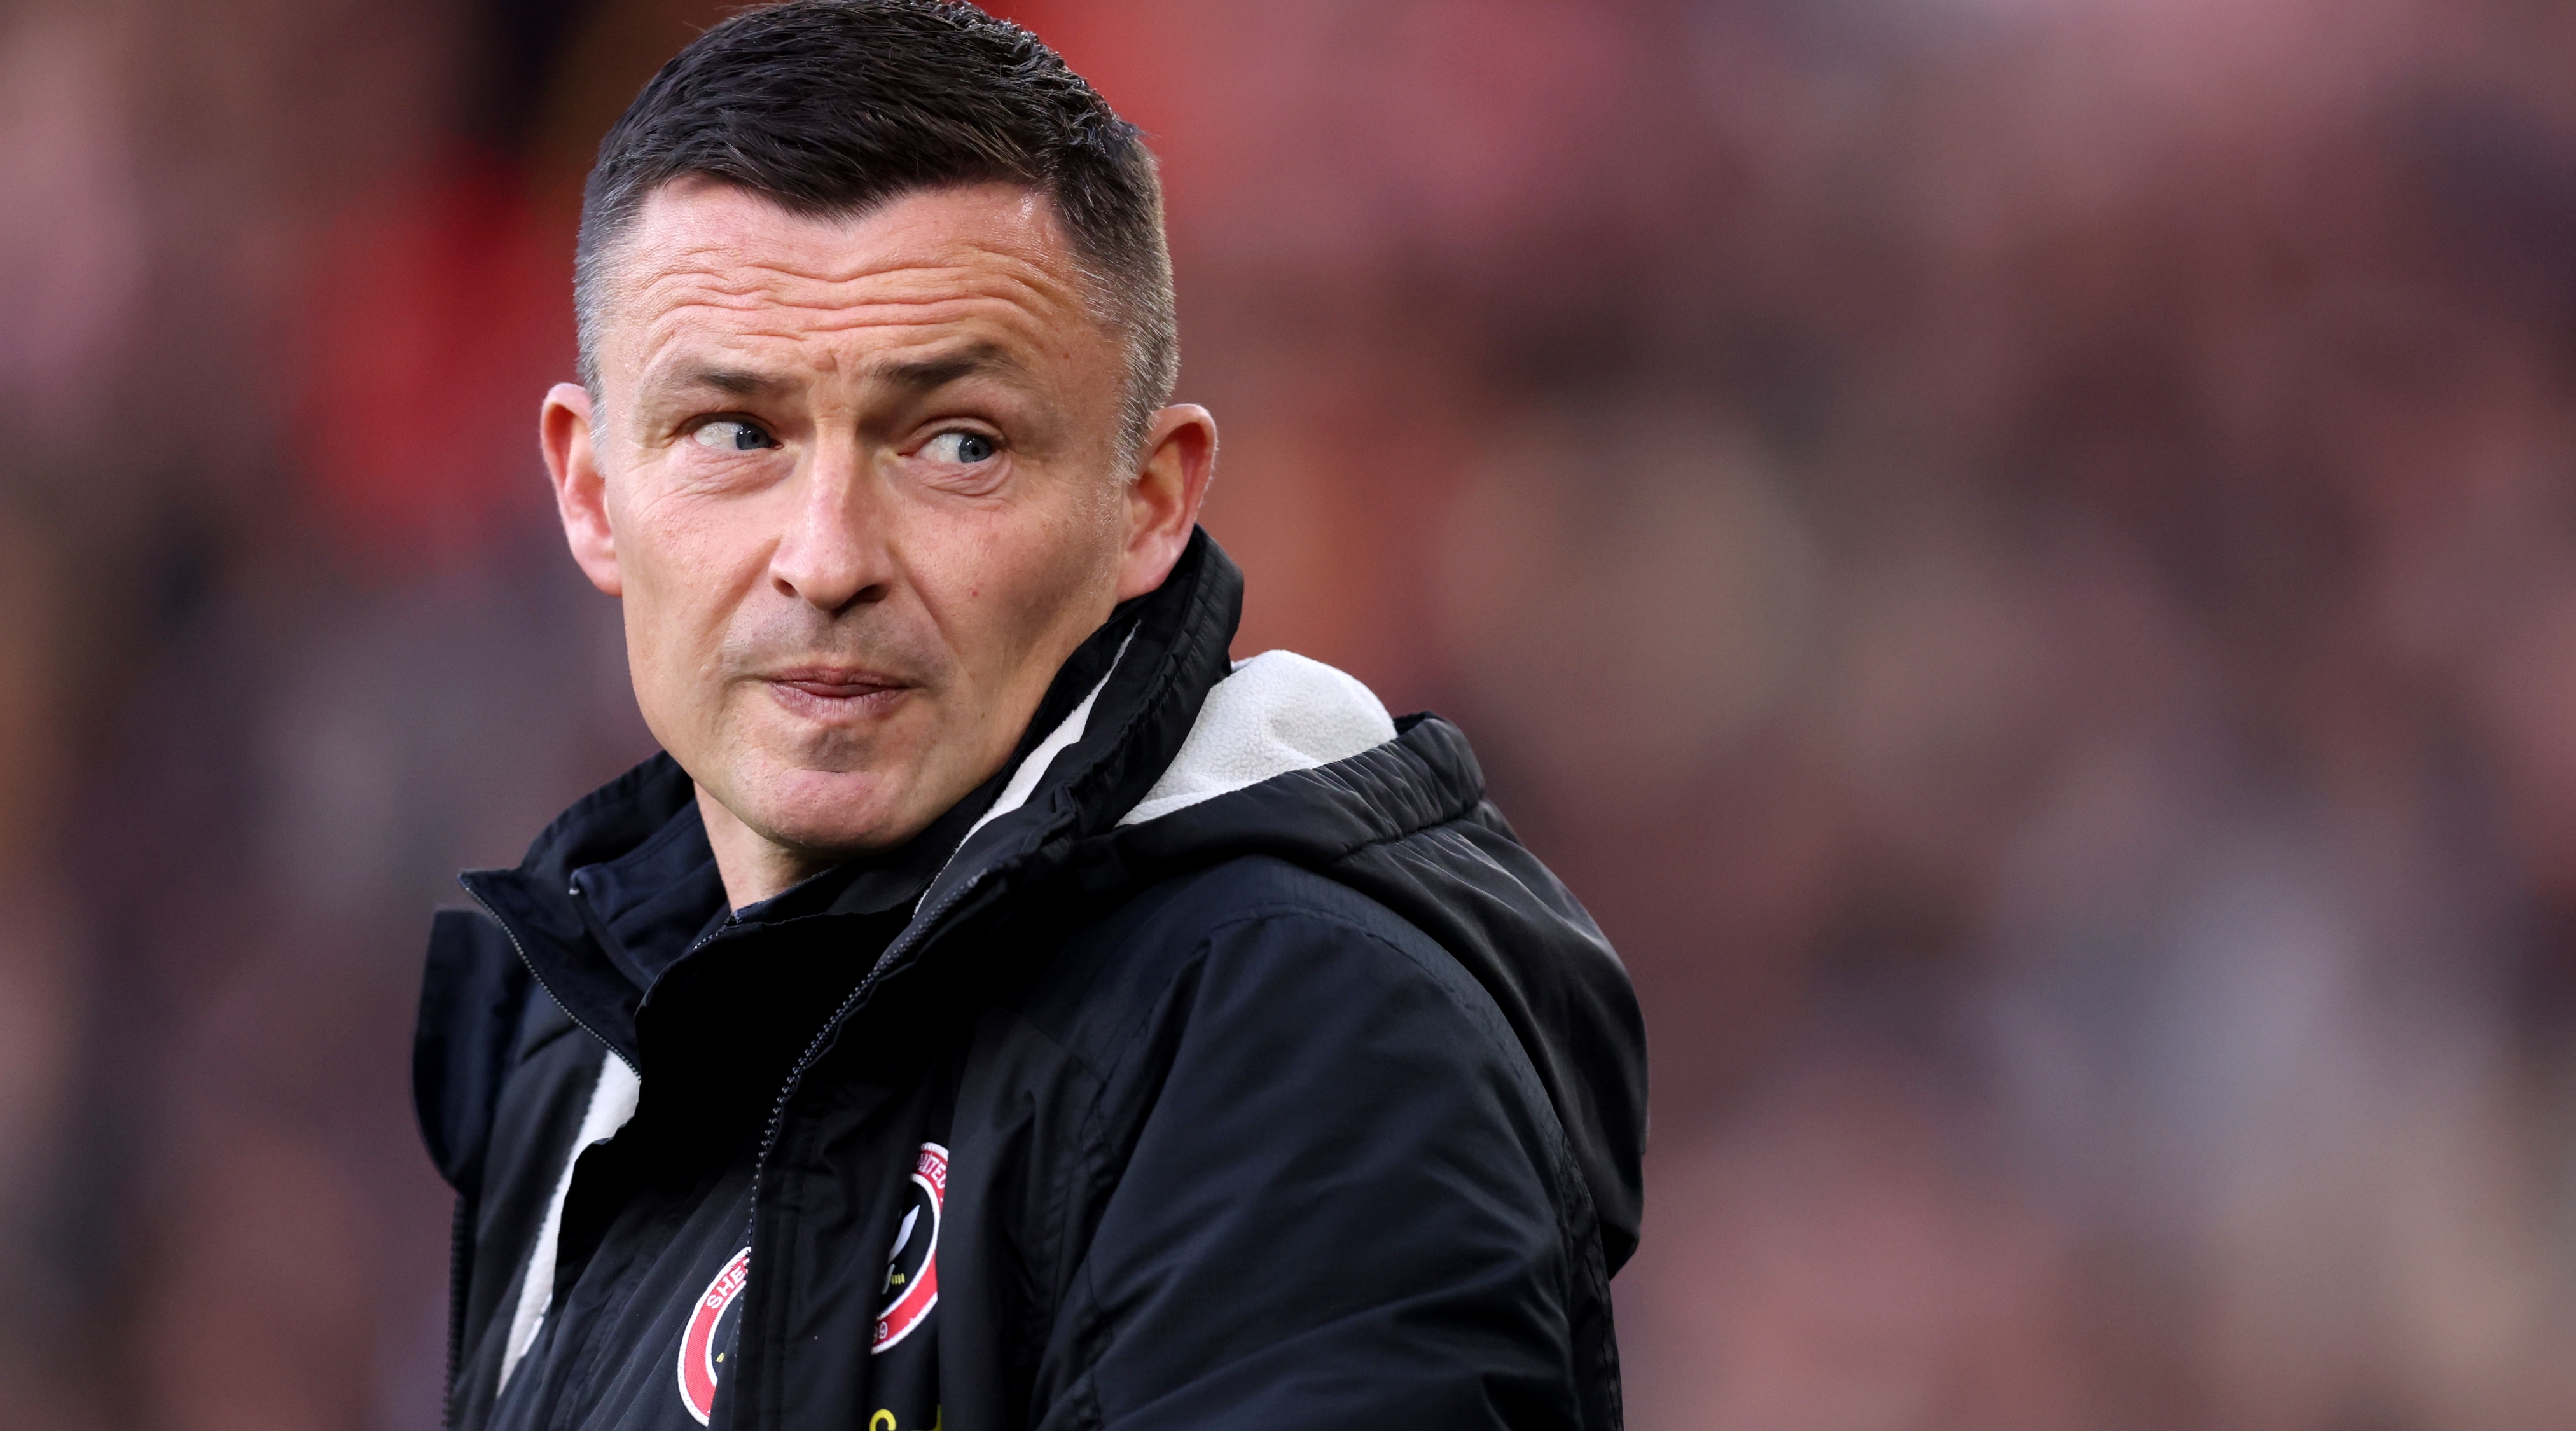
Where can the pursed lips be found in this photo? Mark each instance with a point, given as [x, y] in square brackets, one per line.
[844, 692]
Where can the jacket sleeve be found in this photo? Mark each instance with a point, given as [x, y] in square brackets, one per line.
[1340, 1204]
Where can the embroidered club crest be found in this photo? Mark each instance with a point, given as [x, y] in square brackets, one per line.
[711, 1330]
[912, 1267]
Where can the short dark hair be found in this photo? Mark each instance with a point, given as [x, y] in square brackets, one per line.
[830, 108]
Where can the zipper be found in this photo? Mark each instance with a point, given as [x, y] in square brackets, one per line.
[512, 935]
[814, 1046]
[814, 1050]
[460, 1270]
[578, 1022]
[911, 938]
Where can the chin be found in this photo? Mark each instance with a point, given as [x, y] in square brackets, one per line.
[835, 813]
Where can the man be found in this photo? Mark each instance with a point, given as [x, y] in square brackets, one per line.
[995, 1009]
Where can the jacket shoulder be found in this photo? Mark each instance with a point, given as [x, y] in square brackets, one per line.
[1264, 917]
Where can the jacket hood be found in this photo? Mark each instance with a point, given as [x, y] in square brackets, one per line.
[1293, 759]
[1153, 754]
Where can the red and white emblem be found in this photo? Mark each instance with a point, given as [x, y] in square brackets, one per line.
[711, 1324]
[912, 1267]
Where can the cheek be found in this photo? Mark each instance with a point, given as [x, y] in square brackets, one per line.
[1060, 574]
[685, 569]
[999, 584]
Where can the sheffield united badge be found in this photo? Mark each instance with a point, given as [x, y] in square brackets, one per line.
[912, 1267]
[711, 1330]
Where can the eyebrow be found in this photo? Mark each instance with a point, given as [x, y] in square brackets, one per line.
[925, 374]
[919, 374]
[736, 382]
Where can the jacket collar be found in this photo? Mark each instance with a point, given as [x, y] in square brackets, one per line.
[625, 877]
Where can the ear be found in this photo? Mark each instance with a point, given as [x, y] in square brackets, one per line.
[1164, 496]
[581, 495]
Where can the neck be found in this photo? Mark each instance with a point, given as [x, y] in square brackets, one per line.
[753, 866]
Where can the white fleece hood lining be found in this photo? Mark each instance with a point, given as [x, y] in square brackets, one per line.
[1276, 713]
[612, 1103]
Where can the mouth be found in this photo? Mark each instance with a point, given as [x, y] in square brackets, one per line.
[846, 692]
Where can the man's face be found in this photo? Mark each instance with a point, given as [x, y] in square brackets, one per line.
[860, 485]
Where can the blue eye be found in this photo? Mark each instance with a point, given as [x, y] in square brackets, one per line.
[732, 434]
[964, 448]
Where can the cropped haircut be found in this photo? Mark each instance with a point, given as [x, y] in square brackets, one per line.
[832, 108]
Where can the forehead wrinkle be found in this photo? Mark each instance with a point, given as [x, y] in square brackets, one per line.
[785, 322]
[913, 351]
[817, 342]
[725, 274]
[740, 312]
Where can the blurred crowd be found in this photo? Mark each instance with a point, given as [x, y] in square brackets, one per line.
[2020, 555]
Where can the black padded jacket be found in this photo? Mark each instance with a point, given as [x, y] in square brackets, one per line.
[1271, 1081]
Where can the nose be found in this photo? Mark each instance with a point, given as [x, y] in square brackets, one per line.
[833, 554]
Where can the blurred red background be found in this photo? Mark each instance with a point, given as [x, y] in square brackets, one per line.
[2019, 554]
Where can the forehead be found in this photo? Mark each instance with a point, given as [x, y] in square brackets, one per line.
[709, 265]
